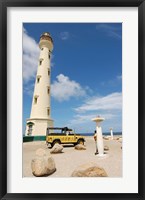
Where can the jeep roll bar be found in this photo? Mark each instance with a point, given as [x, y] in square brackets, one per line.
[57, 128]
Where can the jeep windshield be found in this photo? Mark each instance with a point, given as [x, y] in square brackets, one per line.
[62, 131]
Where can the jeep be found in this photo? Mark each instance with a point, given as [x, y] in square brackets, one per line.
[63, 136]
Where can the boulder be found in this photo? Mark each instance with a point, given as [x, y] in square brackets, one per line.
[40, 152]
[89, 170]
[106, 148]
[80, 147]
[106, 137]
[43, 166]
[119, 139]
[57, 148]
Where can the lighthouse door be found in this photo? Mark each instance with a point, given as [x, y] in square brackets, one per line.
[30, 130]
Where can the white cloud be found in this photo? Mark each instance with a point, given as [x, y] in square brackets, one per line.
[63, 88]
[119, 77]
[112, 82]
[85, 118]
[28, 89]
[111, 31]
[110, 102]
[64, 35]
[30, 56]
[109, 107]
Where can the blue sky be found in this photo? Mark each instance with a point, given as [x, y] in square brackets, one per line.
[86, 73]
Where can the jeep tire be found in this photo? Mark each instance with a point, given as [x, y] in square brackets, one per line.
[80, 142]
[56, 142]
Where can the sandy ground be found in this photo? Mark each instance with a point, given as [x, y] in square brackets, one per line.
[68, 161]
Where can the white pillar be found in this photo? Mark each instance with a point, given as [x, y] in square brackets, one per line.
[40, 110]
[100, 143]
[111, 133]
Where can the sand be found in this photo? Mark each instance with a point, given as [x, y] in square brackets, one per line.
[70, 159]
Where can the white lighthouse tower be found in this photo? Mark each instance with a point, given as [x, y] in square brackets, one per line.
[40, 117]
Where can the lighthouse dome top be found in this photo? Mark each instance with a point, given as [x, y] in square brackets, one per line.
[46, 41]
[46, 33]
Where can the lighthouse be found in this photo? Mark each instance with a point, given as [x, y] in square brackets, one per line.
[40, 117]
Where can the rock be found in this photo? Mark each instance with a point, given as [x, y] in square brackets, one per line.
[106, 148]
[119, 139]
[89, 170]
[106, 137]
[43, 166]
[40, 152]
[80, 147]
[57, 148]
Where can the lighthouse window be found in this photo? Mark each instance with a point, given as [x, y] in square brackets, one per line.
[35, 100]
[38, 79]
[49, 56]
[48, 72]
[48, 111]
[40, 62]
[42, 48]
[48, 90]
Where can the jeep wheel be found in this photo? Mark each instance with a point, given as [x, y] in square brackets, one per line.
[56, 142]
[81, 142]
[49, 145]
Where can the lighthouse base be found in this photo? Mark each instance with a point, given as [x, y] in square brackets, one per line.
[37, 127]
